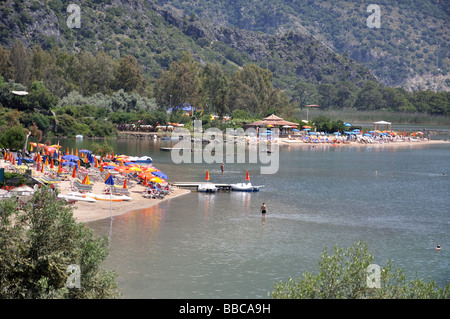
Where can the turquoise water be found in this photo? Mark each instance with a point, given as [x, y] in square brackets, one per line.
[218, 246]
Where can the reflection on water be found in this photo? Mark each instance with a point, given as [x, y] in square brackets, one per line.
[218, 246]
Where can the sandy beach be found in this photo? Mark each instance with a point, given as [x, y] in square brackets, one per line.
[285, 141]
[101, 209]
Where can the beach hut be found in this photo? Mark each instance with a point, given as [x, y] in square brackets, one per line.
[382, 124]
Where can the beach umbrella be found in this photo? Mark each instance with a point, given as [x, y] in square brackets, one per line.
[306, 126]
[70, 164]
[247, 177]
[74, 172]
[72, 158]
[159, 174]
[86, 180]
[347, 124]
[145, 183]
[207, 175]
[337, 133]
[156, 180]
[125, 184]
[109, 167]
[110, 181]
[51, 163]
[295, 130]
[59, 168]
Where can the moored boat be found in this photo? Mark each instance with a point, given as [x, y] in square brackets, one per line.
[114, 198]
[77, 198]
[207, 188]
[245, 187]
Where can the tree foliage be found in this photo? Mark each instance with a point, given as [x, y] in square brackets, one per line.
[39, 242]
[345, 274]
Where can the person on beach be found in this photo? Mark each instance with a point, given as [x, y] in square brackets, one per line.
[263, 209]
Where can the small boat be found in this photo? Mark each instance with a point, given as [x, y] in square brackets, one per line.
[207, 188]
[114, 198]
[70, 198]
[142, 159]
[245, 187]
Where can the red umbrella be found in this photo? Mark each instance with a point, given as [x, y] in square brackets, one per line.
[125, 184]
[74, 173]
[207, 175]
[247, 177]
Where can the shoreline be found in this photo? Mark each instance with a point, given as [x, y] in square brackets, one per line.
[359, 144]
[86, 212]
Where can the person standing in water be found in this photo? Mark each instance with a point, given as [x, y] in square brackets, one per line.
[222, 167]
[263, 209]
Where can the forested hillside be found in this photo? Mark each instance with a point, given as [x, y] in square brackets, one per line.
[156, 37]
[130, 61]
[411, 48]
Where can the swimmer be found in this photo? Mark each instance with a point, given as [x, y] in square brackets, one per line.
[438, 247]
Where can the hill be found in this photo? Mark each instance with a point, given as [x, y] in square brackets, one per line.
[411, 49]
[157, 36]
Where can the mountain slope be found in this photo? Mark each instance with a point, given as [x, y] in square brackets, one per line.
[157, 36]
[411, 48]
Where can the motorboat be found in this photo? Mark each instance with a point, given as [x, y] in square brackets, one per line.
[207, 188]
[245, 187]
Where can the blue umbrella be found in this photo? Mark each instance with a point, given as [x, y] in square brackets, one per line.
[70, 157]
[159, 174]
[19, 161]
[347, 124]
[295, 130]
[337, 133]
[109, 167]
[70, 164]
[110, 181]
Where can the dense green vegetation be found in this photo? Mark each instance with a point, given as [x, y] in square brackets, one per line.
[413, 39]
[39, 241]
[142, 60]
[63, 101]
[345, 275]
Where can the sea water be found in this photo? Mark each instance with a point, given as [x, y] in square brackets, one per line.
[218, 245]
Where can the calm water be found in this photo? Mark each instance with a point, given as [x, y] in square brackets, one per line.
[218, 246]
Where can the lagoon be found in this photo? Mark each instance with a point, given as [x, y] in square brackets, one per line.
[218, 246]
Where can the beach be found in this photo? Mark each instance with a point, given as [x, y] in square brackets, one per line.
[101, 209]
[332, 142]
